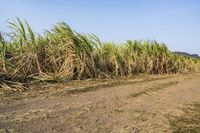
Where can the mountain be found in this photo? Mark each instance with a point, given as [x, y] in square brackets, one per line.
[187, 54]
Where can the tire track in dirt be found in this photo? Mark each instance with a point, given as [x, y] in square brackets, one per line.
[106, 109]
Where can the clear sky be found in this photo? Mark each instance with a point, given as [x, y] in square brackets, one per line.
[174, 22]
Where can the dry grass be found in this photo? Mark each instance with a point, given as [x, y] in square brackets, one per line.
[189, 122]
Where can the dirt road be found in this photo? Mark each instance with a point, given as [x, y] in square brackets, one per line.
[144, 106]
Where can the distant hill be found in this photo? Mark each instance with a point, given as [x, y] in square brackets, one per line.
[187, 54]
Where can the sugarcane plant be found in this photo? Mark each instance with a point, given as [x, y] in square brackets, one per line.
[61, 54]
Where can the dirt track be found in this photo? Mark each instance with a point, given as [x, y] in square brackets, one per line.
[143, 106]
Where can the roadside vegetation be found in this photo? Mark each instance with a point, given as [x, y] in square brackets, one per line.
[62, 54]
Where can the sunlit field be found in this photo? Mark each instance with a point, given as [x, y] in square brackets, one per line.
[61, 54]
[62, 80]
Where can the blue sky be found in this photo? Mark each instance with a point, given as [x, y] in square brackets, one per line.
[174, 22]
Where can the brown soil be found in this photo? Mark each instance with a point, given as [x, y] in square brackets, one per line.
[124, 105]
